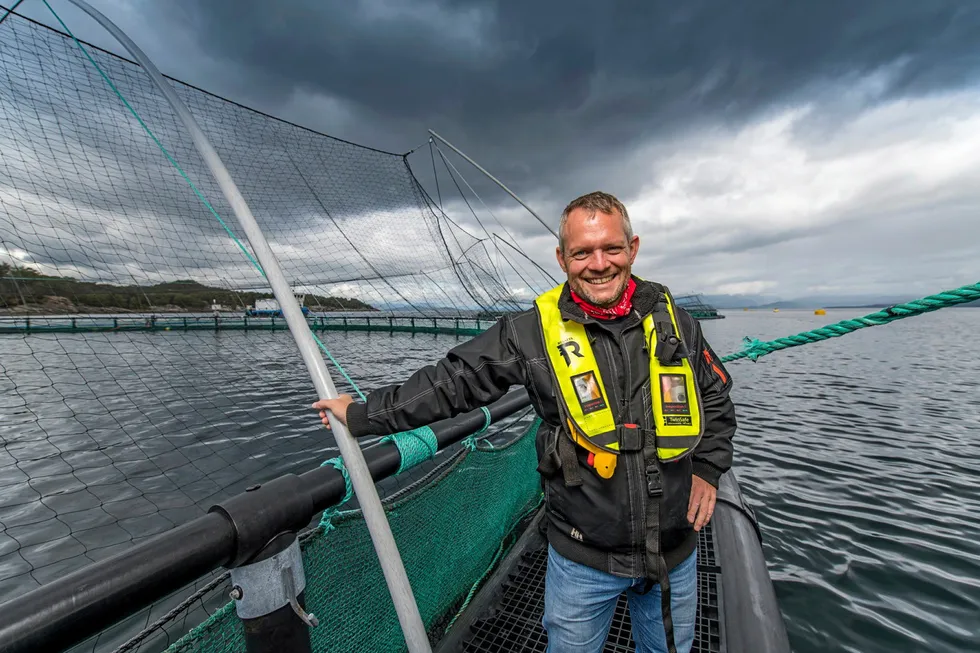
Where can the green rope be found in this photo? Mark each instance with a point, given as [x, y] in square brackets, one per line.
[183, 174]
[470, 441]
[415, 446]
[755, 349]
[326, 520]
[340, 368]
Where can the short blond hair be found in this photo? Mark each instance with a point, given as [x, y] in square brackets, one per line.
[594, 202]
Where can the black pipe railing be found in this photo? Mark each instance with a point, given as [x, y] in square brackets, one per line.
[66, 611]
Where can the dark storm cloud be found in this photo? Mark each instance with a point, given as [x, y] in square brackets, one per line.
[545, 93]
[736, 132]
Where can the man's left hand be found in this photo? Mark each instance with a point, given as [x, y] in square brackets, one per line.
[702, 504]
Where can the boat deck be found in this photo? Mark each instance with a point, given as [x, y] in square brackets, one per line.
[509, 619]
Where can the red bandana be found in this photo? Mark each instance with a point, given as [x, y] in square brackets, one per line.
[624, 306]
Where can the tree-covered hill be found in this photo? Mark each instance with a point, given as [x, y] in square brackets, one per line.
[20, 286]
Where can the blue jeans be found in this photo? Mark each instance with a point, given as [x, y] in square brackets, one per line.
[579, 603]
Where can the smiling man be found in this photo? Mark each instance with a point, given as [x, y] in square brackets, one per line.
[637, 428]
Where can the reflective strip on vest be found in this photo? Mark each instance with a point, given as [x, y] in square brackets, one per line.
[674, 392]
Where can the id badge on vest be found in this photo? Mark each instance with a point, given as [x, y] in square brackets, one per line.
[676, 404]
[588, 392]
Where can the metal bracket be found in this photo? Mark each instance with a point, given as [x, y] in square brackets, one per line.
[287, 582]
[263, 587]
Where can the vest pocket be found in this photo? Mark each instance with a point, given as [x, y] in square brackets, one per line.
[595, 513]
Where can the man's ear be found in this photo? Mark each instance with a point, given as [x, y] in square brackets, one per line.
[634, 248]
[561, 260]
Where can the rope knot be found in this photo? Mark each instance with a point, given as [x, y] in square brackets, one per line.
[326, 520]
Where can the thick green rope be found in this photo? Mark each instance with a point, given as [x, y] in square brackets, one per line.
[326, 520]
[755, 349]
[183, 174]
[470, 441]
[415, 446]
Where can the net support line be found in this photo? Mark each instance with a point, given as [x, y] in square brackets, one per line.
[453, 169]
[530, 260]
[367, 494]
[450, 168]
[496, 181]
[343, 233]
[426, 201]
[9, 11]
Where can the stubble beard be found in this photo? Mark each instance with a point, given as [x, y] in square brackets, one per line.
[583, 290]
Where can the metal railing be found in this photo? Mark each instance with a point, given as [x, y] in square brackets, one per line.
[231, 322]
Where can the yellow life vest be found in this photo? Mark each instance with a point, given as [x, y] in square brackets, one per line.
[582, 397]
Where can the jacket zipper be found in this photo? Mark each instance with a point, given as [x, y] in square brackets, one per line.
[636, 489]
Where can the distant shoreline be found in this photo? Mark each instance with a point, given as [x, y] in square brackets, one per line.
[49, 311]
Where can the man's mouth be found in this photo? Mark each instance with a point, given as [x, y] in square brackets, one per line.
[598, 281]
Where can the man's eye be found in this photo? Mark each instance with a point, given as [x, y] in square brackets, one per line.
[580, 256]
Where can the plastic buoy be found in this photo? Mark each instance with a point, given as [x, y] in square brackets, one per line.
[819, 311]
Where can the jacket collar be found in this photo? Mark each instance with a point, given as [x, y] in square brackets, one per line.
[645, 298]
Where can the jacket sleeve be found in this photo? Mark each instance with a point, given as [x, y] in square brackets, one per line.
[473, 374]
[713, 455]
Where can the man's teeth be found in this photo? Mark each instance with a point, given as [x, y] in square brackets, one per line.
[601, 280]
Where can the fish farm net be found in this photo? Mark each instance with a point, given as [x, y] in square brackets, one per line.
[145, 368]
[450, 529]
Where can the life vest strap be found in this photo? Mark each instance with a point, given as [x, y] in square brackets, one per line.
[669, 348]
[569, 461]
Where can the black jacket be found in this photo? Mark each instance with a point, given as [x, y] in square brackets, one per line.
[611, 525]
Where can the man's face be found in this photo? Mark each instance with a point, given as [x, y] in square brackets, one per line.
[597, 257]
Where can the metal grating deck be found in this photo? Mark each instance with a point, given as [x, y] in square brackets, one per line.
[514, 625]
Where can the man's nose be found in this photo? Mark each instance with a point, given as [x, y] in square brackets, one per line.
[598, 260]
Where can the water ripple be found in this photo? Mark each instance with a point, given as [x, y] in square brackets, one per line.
[862, 460]
[860, 456]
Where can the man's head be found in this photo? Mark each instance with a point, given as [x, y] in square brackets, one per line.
[596, 247]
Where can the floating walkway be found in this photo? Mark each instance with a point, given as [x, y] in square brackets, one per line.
[738, 611]
[101, 324]
[461, 326]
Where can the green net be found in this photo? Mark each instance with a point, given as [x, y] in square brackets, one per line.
[450, 528]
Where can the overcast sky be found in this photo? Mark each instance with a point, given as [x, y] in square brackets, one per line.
[823, 148]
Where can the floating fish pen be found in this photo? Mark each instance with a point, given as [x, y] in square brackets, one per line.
[698, 308]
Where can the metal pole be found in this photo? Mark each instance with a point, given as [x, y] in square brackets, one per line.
[496, 181]
[367, 495]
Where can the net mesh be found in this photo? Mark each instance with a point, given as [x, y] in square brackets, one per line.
[142, 374]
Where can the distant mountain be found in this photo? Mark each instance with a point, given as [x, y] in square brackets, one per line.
[808, 302]
[737, 301]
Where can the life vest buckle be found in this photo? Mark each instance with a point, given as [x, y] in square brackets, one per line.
[630, 437]
[654, 485]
